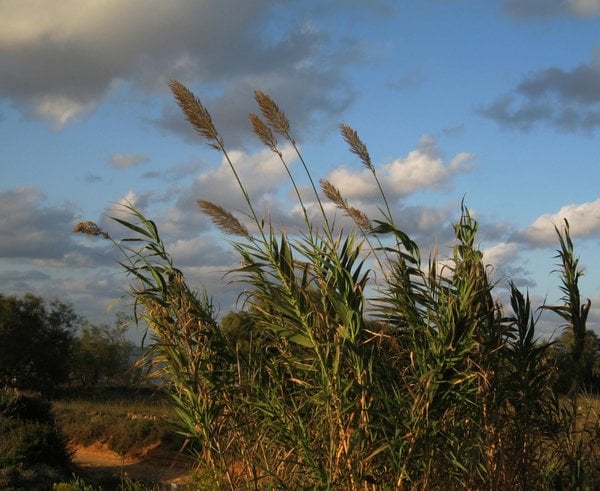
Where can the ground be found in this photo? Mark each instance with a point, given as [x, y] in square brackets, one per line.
[154, 464]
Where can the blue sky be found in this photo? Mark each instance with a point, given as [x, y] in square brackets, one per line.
[496, 102]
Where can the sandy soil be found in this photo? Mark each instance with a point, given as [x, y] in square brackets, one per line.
[154, 465]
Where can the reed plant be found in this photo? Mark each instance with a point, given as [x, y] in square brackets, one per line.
[426, 383]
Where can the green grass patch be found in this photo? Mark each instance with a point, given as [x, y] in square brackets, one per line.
[127, 420]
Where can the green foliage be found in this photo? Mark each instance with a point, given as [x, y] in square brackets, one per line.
[430, 384]
[35, 342]
[76, 484]
[101, 354]
[125, 483]
[572, 311]
[562, 353]
[32, 450]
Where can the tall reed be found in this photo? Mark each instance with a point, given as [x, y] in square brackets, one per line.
[429, 384]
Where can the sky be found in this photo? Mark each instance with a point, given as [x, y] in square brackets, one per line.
[494, 102]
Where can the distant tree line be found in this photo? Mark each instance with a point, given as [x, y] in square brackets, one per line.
[45, 344]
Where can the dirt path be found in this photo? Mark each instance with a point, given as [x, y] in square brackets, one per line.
[155, 465]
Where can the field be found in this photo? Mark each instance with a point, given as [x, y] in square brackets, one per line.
[125, 439]
[91, 440]
[123, 435]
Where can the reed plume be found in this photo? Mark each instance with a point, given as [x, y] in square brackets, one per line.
[264, 133]
[335, 196]
[197, 114]
[273, 114]
[223, 219]
[357, 146]
[90, 228]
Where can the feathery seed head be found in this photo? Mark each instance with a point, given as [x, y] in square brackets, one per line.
[335, 196]
[359, 217]
[264, 133]
[356, 145]
[273, 114]
[196, 114]
[333, 193]
[223, 219]
[90, 228]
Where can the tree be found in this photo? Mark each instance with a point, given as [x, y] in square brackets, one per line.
[36, 340]
[562, 352]
[101, 353]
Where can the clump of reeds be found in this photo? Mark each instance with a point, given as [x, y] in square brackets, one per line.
[436, 386]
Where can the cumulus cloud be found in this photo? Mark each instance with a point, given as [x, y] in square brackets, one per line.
[30, 229]
[583, 218]
[548, 8]
[500, 253]
[261, 172]
[126, 160]
[502, 260]
[59, 63]
[422, 168]
[40, 254]
[568, 100]
[206, 250]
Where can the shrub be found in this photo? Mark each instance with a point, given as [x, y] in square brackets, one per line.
[32, 450]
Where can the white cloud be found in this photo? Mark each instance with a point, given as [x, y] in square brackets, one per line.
[499, 254]
[61, 109]
[27, 22]
[206, 250]
[422, 168]
[584, 221]
[260, 173]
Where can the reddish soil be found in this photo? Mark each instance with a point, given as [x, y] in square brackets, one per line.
[153, 465]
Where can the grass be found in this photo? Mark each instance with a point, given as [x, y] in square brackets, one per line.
[429, 383]
[127, 420]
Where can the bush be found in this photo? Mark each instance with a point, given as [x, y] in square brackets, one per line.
[24, 406]
[32, 450]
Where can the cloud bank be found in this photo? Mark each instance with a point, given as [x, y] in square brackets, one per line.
[566, 99]
[58, 64]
